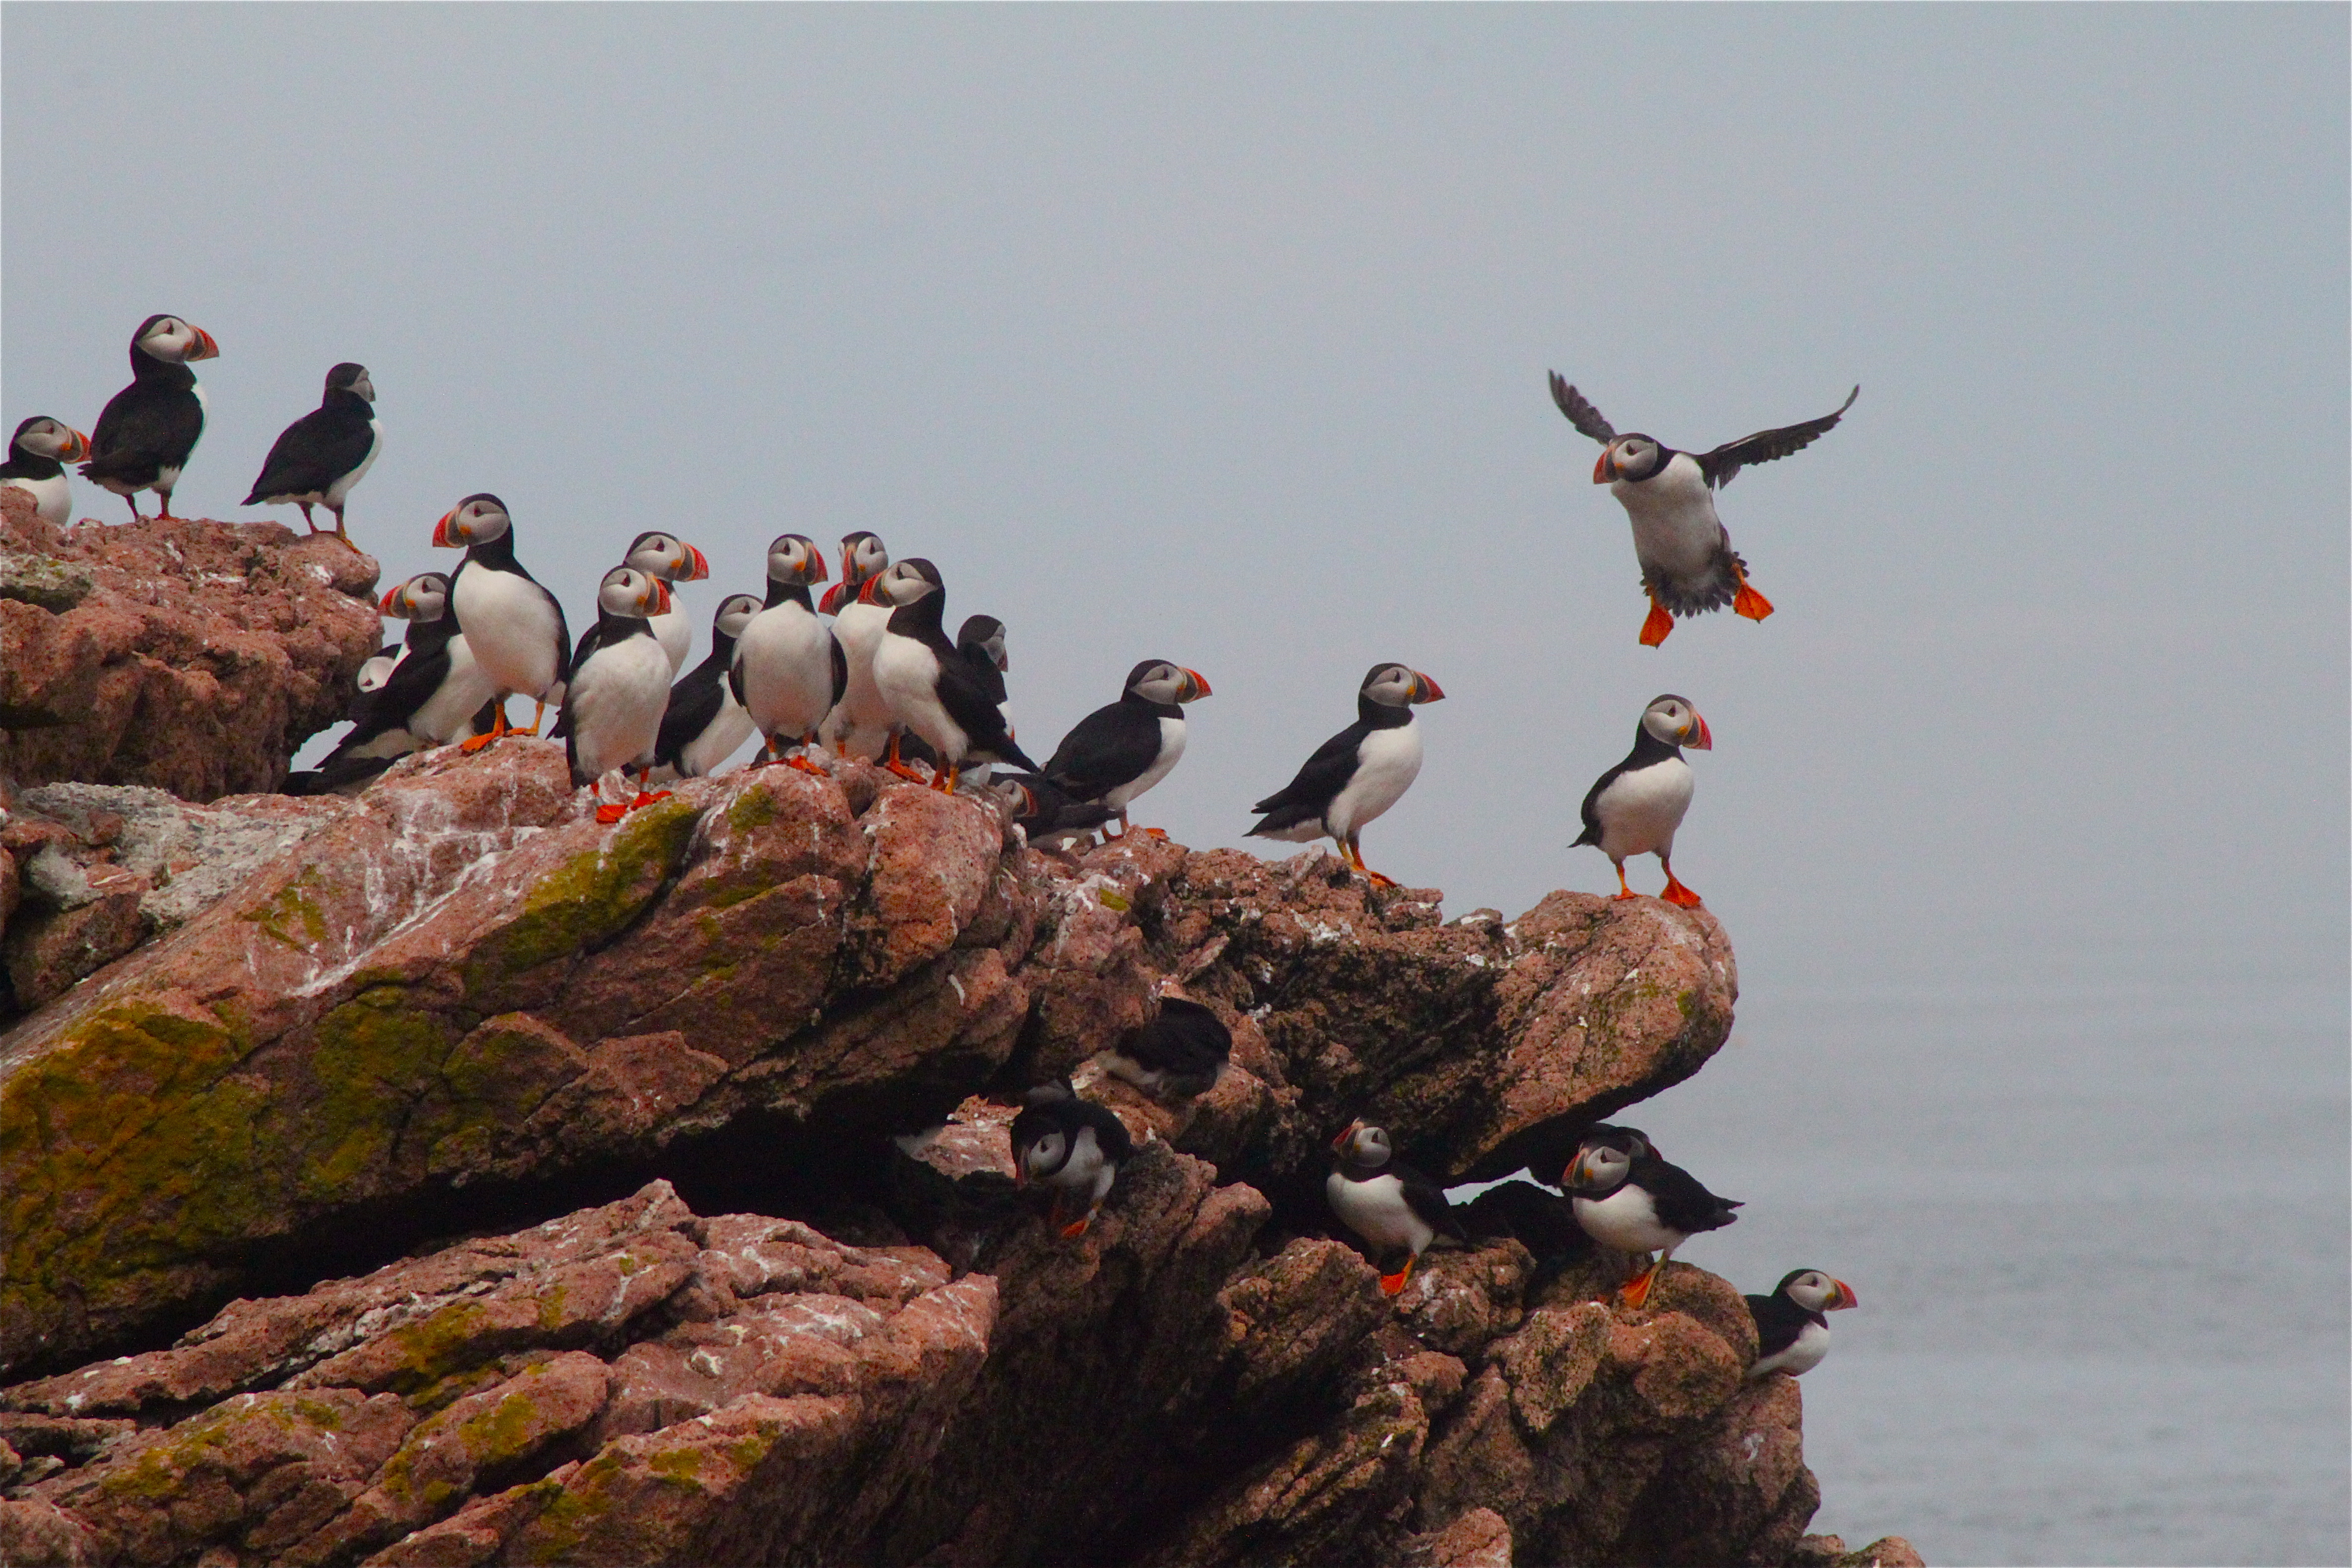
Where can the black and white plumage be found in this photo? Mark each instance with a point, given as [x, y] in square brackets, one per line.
[144, 436]
[428, 697]
[703, 724]
[1123, 748]
[674, 560]
[1687, 563]
[1793, 1325]
[1071, 1146]
[860, 724]
[932, 689]
[1388, 1203]
[981, 641]
[1636, 807]
[790, 669]
[323, 454]
[1629, 1201]
[514, 626]
[37, 455]
[1358, 773]
[1046, 818]
[1178, 1054]
[618, 688]
[1542, 1221]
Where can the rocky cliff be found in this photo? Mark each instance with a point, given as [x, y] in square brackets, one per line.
[436, 1176]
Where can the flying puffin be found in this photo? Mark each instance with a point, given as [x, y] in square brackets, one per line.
[1687, 563]
[671, 559]
[1046, 818]
[146, 431]
[1633, 1202]
[1071, 1145]
[1359, 773]
[1386, 1201]
[930, 688]
[37, 455]
[981, 641]
[1635, 807]
[859, 725]
[619, 684]
[515, 626]
[1123, 748]
[427, 698]
[1179, 1054]
[789, 669]
[1793, 1326]
[323, 454]
[703, 724]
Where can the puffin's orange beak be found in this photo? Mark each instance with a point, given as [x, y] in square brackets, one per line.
[1705, 740]
[1845, 1297]
[833, 598]
[1200, 684]
[866, 590]
[661, 595]
[816, 565]
[698, 567]
[1430, 690]
[445, 536]
[206, 347]
[1605, 469]
[76, 448]
[390, 595]
[1341, 1143]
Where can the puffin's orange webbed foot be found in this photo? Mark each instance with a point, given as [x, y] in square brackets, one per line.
[610, 812]
[1395, 1284]
[1677, 894]
[1748, 602]
[1077, 1227]
[1637, 1290]
[1654, 628]
[797, 761]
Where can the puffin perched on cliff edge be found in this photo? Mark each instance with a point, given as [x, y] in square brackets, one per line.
[1123, 748]
[37, 455]
[618, 686]
[1071, 1146]
[319, 457]
[147, 431]
[1793, 1326]
[1629, 1201]
[1386, 1201]
[790, 669]
[860, 724]
[514, 625]
[930, 687]
[1358, 773]
[1636, 807]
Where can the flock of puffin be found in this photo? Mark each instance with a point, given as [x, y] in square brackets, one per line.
[868, 672]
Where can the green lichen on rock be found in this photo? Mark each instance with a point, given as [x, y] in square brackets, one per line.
[43, 580]
[753, 809]
[291, 916]
[589, 899]
[438, 1345]
[377, 1062]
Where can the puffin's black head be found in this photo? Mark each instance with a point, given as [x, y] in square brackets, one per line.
[794, 559]
[1014, 794]
[735, 613]
[1397, 685]
[1363, 1144]
[352, 378]
[1630, 457]
[1041, 1137]
[42, 436]
[476, 519]
[1816, 1291]
[424, 597]
[1601, 1165]
[902, 584]
[986, 632]
[667, 557]
[632, 595]
[1156, 681]
[863, 559]
[173, 341]
[1672, 720]
[1632, 1139]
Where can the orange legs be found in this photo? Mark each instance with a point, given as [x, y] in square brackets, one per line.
[1623, 889]
[609, 812]
[1654, 629]
[537, 714]
[890, 760]
[498, 728]
[1676, 892]
[1637, 1288]
[1748, 602]
[1395, 1284]
[1355, 859]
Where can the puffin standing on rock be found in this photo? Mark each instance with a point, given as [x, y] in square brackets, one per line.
[37, 455]
[703, 724]
[788, 669]
[860, 724]
[1386, 1201]
[1359, 773]
[1629, 1201]
[1071, 1145]
[1687, 563]
[1635, 807]
[323, 454]
[1793, 1326]
[1123, 748]
[619, 686]
[671, 559]
[514, 626]
[930, 688]
[144, 438]
[428, 697]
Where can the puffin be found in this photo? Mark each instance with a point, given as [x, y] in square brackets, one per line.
[1385, 1201]
[930, 688]
[671, 559]
[1635, 807]
[618, 686]
[789, 669]
[1123, 748]
[1793, 1325]
[860, 724]
[981, 641]
[514, 626]
[1179, 1054]
[427, 698]
[1046, 818]
[1687, 563]
[323, 454]
[1071, 1145]
[1359, 773]
[1629, 1200]
[703, 724]
[1542, 1221]
[37, 455]
[146, 431]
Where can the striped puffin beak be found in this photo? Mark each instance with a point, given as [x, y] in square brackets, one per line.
[1339, 1145]
[1574, 1176]
[391, 596]
[1425, 689]
[445, 533]
[1196, 687]
[206, 347]
[1605, 469]
[1845, 1297]
[866, 591]
[1698, 738]
[833, 598]
[76, 448]
[698, 565]
[659, 595]
[817, 573]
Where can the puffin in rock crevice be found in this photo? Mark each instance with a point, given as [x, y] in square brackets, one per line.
[1629, 1201]
[429, 697]
[1121, 749]
[1071, 1146]
[859, 725]
[323, 454]
[515, 626]
[1687, 563]
[930, 688]
[1179, 1054]
[144, 438]
[37, 455]
[618, 686]
[674, 560]
[703, 724]
[1358, 773]
[1793, 1326]
[1635, 807]
[1387, 1202]
[790, 669]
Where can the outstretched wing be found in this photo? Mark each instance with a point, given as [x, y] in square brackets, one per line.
[1580, 412]
[1720, 465]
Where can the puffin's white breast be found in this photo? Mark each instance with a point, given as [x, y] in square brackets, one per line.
[342, 487]
[907, 677]
[1675, 530]
[1377, 1211]
[52, 498]
[1801, 1355]
[1625, 1221]
[1387, 762]
[512, 625]
[1643, 806]
[616, 699]
[785, 655]
[448, 714]
[1171, 751]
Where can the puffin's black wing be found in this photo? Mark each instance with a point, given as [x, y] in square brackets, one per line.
[1779, 1321]
[314, 452]
[147, 425]
[1110, 1133]
[1681, 1202]
[590, 641]
[1325, 774]
[840, 671]
[1580, 412]
[1186, 1037]
[982, 665]
[1720, 465]
[1427, 1199]
[1110, 746]
[694, 702]
[1590, 809]
[982, 721]
[1544, 1222]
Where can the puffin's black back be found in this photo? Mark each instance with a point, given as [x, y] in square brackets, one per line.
[1680, 1200]
[1185, 1038]
[1779, 1321]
